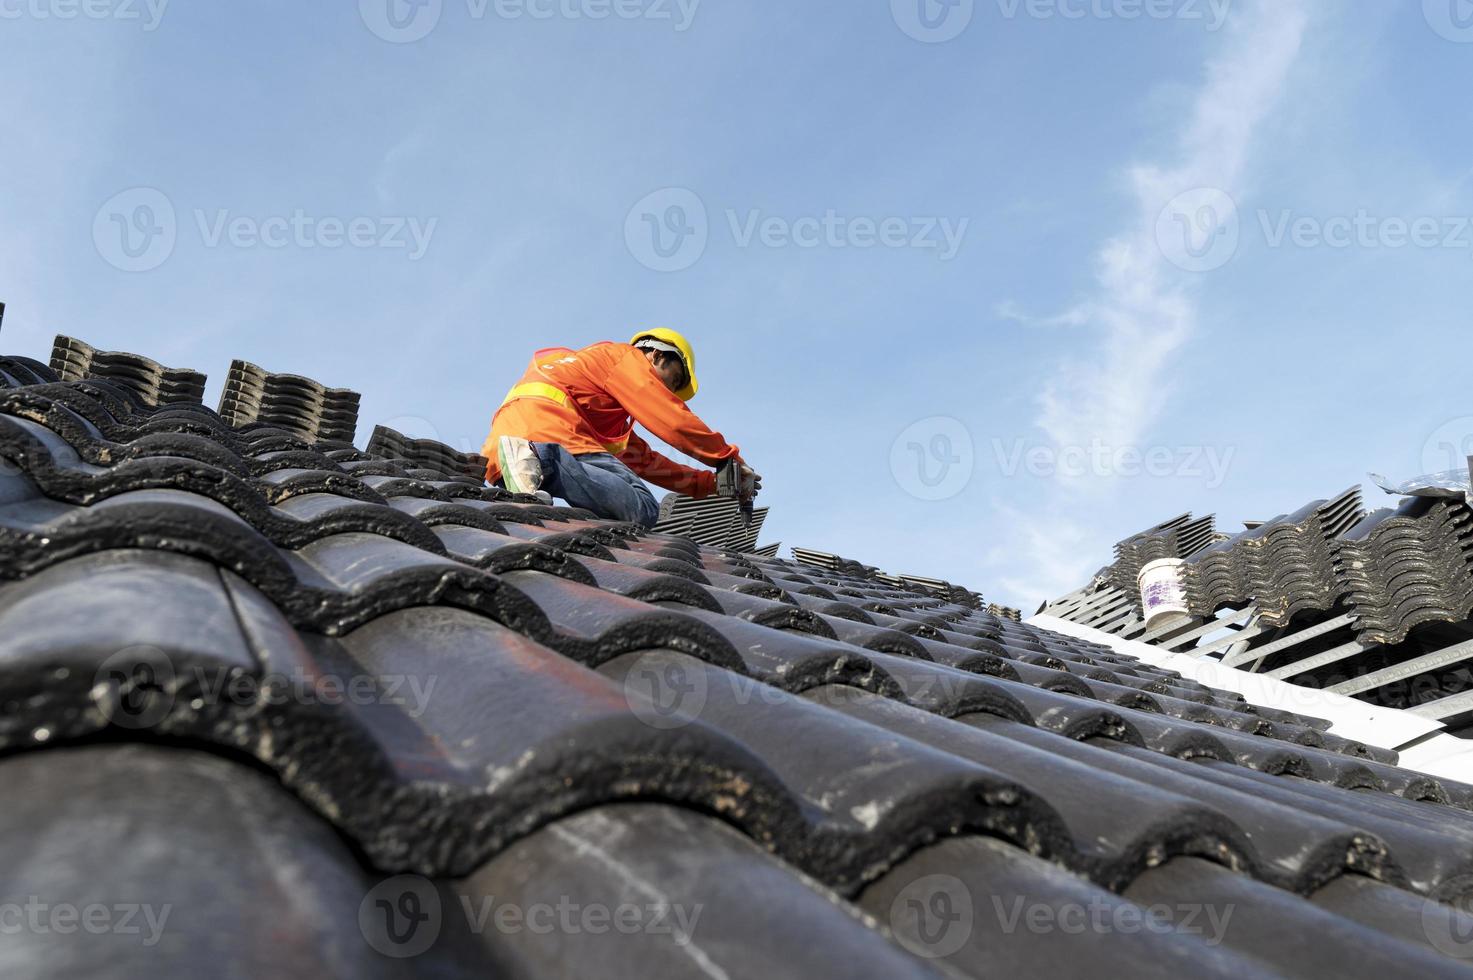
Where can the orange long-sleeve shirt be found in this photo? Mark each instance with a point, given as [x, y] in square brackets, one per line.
[588, 400]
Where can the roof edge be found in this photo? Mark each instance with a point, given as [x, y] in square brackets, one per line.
[1422, 743]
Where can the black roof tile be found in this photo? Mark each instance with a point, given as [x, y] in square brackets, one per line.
[1285, 934]
[962, 903]
[693, 894]
[769, 612]
[195, 862]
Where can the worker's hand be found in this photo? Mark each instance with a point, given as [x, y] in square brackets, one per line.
[751, 479]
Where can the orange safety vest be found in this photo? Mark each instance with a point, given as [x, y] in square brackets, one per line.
[588, 400]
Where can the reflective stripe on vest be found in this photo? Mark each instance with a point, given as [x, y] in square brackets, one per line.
[537, 389]
[551, 393]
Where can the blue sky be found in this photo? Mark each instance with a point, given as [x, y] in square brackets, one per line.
[979, 288]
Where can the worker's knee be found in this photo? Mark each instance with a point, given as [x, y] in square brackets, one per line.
[630, 500]
[601, 483]
[646, 512]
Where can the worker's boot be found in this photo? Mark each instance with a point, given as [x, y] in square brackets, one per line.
[521, 470]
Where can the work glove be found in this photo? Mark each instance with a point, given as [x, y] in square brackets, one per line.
[751, 480]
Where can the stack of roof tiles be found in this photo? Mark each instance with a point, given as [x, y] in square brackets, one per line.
[298, 405]
[1180, 537]
[1005, 612]
[714, 521]
[437, 460]
[1394, 569]
[1221, 575]
[835, 563]
[941, 588]
[377, 725]
[1409, 566]
[1375, 606]
[149, 381]
[1287, 564]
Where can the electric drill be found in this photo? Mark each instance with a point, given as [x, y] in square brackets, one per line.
[730, 482]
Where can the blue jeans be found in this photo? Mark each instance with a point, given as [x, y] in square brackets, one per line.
[597, 482]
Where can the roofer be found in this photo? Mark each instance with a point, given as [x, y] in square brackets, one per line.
[567, 429]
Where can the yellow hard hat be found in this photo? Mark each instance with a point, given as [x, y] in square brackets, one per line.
[687, 355]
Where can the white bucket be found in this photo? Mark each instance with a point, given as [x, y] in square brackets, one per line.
[1163, 592]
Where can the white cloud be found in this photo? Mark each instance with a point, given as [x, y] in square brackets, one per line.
[1143, 308]
[1009, 310]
